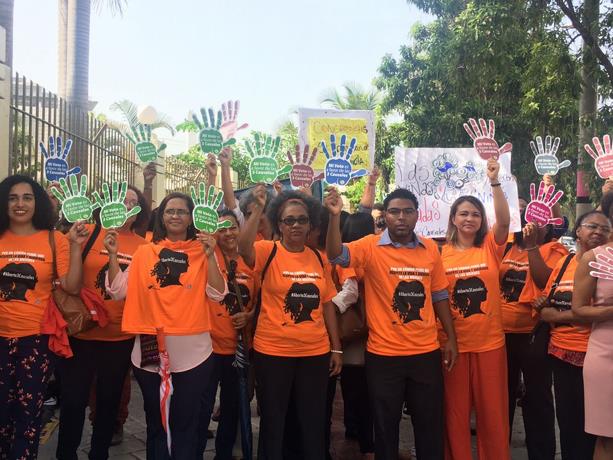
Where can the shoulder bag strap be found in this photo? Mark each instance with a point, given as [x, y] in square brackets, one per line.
[90, 242]
[53, 257]
[560, 275]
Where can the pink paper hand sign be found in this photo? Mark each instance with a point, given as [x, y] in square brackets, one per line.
[302, 174]
[539, 210]
[230, 127]
[603, 157]
[603, 265]
[483, 139]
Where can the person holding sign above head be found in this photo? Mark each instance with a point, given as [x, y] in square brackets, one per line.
[471, 258]
[525, 268]
[296, 341]
[101, 354]
[405, 291]
[26, 280]
[167, 288]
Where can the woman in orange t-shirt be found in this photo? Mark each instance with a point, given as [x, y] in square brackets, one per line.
[296, 338]
[478, 381]
[569, 338]
[524, 272]
[102, 353]
[26, 277]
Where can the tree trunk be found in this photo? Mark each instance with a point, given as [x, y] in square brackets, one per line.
[587, 104]
[77, 53]
[62, 43]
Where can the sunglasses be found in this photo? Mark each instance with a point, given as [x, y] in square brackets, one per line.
[290, 221]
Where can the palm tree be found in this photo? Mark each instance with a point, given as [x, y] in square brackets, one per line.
[355, 98]
[129, 112]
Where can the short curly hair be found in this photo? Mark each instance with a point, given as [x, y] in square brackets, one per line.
[277, 205]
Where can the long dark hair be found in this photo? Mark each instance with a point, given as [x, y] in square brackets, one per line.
[44, 216]
[159, 230]
[452, 231]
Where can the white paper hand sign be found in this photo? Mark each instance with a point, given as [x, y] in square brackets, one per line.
[603, 157]
[545, 160]
[75, 204]
[205, 215]
[338, 168]
[145, 149]
[539, 210]
[483, 139]
[603, 265]
[56, 166]
[114, 212]
[230, 126]
[302, 174]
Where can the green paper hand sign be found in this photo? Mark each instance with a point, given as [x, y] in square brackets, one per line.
[145, 149]
[205, 210]
[75, 205]
[114, 212]
[263, 166]
[210, 137]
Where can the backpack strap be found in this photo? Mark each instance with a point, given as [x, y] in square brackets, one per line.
[321, 261]
[560, 275]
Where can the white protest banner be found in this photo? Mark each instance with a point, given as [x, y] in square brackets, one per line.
[437, 176]
[329, 126]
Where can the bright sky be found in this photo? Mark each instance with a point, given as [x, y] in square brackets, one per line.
[272, 55]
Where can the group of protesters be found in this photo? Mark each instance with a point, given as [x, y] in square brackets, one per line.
[473, 324]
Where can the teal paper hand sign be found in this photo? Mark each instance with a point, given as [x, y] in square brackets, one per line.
[205, 210]
[56, 166]
[263, 166]
[210, 136]
[75, 205]
[145, 149]
[545, 160]
[114, 212]
[338, 168]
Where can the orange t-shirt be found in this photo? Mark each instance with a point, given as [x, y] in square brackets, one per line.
[572, 337]
[517, 288]
[166, 288]
[26, 276]
[474, 295]
[291, 320]
[222, 332]
[94, 272]
[398, 286]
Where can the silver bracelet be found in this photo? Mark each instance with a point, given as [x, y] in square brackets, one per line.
[339, 352]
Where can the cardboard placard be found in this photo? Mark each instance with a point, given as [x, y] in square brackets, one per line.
[545, 160]
[56, 164]
[302, 174]
[113, 212]
[76, 205]
[484, 143]
[263, 166]
[205, 215]
[539, 210]
[146, 151]
[210, 136]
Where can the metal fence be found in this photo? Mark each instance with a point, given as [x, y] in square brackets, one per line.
[180, 175]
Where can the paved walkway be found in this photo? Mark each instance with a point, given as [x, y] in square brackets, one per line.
[133, 446]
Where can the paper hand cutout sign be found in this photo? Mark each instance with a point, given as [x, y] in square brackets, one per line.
[145, 149]
[210, 136]
[483, 139]
[263, 166]
[338, 167]
[603, 265]
[302, 174]
[230, 126]
[545, 160]
[603, 157]
[75, 205]
[114, 212]
[205, 210]
[539, 210]
[56, 166]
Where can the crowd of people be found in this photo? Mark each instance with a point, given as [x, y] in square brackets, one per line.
[474, 323]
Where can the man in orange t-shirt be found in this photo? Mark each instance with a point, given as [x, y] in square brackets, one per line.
[405, 291]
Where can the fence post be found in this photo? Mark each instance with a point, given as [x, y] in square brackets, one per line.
[5, 106]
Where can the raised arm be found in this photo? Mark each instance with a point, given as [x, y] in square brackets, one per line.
[250, 229]
[225, 158]
[211, 170]
[583, 293]
[539, 270]
[368, 197]
[214, 277]
[77, 236]
[111, 246]
[501, 206]
[334, 244]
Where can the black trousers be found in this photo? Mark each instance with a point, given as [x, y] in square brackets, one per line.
[576, 444]
[537, 405]
[108, 363]
[302, 381]
[357, 406]
[418, 380]
[185, 407]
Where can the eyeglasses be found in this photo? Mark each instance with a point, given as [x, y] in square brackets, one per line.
[176, 212]
[290, 221]
[594, 227]
[397, 211]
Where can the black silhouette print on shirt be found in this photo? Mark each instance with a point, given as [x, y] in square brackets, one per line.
[170, 267]
[231, 300]
[561, 301]
[101, 278]
[301, 300]
[468, 295]
[409, 299]
[512, 284]
[15, 280]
